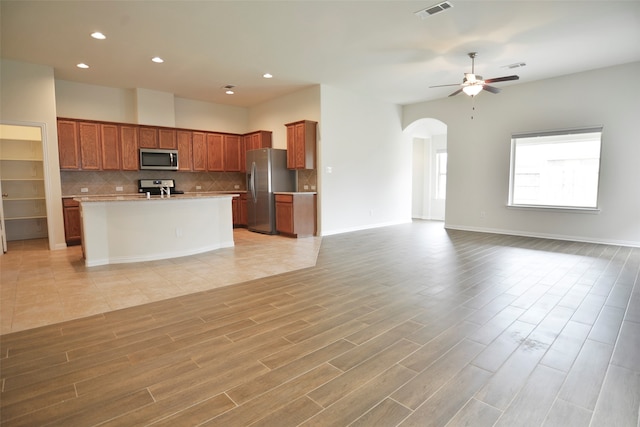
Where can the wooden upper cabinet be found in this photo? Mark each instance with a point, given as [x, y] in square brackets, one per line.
[184, 138]
[110, 144]
[301, 144]
[88, 145]
[90, 150]
[232, 157]
[215, 152]
[199, 149]
[129, 148]
[291, 147]
[68, 148]
[167, 139]
[254, 141]
[148, 137]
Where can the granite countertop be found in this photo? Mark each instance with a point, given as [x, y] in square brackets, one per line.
[295, 192]
[141, 197]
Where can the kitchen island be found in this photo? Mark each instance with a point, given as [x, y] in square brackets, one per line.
[122, 229]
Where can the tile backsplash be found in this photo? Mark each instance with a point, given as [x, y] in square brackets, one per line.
[308, 178]
[105, 182]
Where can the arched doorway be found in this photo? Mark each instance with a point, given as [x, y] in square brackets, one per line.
[429, 168]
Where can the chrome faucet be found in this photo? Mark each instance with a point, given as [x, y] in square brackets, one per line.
[165, 190]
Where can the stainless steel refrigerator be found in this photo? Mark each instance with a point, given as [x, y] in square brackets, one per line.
[266, 173]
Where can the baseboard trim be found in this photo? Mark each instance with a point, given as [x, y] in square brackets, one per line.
[583, 239]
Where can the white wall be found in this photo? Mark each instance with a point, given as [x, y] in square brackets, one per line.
[420, 177]
[479, 150]
[370, 159]
[91, 102]
[273, 115]
[27, 97]
[200, 115]
[155, 108]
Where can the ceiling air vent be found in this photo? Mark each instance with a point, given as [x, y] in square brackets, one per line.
[514, 65]
[432, 10]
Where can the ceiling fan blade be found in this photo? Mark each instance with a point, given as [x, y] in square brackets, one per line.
[453, 84]
[456, 92]
[490, 89]
[502, 79]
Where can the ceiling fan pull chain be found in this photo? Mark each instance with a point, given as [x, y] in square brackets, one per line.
[473, 106]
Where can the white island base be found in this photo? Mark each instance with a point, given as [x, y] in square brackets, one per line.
[134, 229]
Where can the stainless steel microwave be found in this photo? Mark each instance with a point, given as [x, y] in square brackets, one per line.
[155, 159]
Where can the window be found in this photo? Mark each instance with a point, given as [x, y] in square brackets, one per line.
[441, 174]
[558, 169]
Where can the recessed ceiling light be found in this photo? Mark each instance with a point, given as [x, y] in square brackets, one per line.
[157, 60]
[82, 65]
[267, 75]
[228, 89]
[98, 35]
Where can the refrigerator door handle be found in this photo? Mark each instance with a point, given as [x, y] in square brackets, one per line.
[252, 182]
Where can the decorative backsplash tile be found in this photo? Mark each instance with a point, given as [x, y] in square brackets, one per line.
[308, 178]
[105, 182]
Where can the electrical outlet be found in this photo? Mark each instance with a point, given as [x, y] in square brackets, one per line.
[483, 214]
[84, 190]
[236, 186]
[118, 188]
[306, 187]
[198, 187]
[313, 187]
[178, 232]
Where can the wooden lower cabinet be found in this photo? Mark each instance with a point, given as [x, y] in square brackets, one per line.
[72, 221]
[239, 208]
[296, 214]
[242, 218]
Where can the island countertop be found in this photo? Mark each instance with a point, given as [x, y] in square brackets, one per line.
[143, 197]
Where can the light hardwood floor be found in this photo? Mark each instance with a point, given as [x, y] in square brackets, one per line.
[40, 287]
[404, 325]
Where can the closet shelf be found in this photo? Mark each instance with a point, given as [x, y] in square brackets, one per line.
[25, 217]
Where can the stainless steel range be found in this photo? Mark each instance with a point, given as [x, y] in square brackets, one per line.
[157, 186]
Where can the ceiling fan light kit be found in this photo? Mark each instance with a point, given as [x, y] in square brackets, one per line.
[472, 90]
[473, 84]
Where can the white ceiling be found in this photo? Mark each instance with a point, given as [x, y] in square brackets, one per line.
[378, 48]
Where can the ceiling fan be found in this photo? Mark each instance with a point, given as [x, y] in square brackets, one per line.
[473, 84]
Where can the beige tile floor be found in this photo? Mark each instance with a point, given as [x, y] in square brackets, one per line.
[41, 287]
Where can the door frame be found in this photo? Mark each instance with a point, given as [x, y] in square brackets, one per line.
[47, 178]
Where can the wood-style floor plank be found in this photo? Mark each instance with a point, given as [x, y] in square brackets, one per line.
[397, 326]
